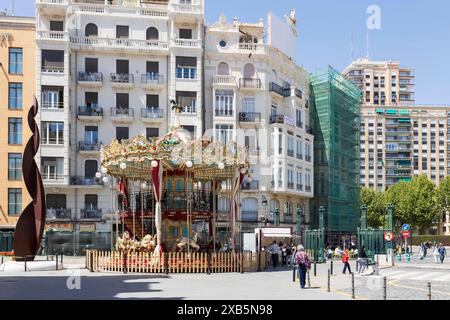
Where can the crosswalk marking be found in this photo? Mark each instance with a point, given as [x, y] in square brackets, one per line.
[424, 275]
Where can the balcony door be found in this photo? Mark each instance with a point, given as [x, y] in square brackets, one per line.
[91, 135]
[90, 169]
[91, 202]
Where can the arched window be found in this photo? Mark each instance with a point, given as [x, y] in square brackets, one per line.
[288, 208]
[90, 169]
[274, 76]
[223, 69]
[152, 33]
[223, 205]
[249, 71]
[91, 30]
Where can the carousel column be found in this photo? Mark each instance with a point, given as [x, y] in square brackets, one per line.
[157, 181]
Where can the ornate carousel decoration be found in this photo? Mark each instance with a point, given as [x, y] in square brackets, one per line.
[185, 177]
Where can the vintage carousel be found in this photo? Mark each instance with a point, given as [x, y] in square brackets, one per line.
[169, 188]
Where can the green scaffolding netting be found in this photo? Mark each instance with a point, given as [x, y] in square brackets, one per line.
[335, 121]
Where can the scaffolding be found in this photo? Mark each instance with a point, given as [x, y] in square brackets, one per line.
[335, 121]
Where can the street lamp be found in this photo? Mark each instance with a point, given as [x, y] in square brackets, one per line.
[103, 175]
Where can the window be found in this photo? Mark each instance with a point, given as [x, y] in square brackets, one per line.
[224, 132]
[122, 32]
[91, 201]
[152, 67]
[248, 104]
[191, 130]
[290, 146]
[52, 133]
[152, 101]
[52, 60]
[187, 100]
[14, 166]
[14, 131]
[14, 201]
[15, 60]
[222, 43]
[224, 102]
[152, 34]
[290, 179]
[56, 25]
[223, 69]
[90, 169]
[52, 97]
[15, 96]
[249, 71]
[299, 149]
[91, 65]
[298, 118]
[122, 133]
[122, 101]
[91, 135]
[299, 181]
[56, 201]
[91, 30]
[91, 99]
[52, 168]
[186, 67]
[122, 67]
[307, 152]
[185, 33]
[223, 205]
[152, 133]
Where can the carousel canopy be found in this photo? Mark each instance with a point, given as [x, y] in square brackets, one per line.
[207, 160]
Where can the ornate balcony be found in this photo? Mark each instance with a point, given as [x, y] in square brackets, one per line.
[91, 214]
[253, 185]
[152, 115]
[89, 113]
[224, 81]
[250, 119]
[187, 43]
[152, 81]
[83, 181]
[52, 36]
[120, 45]
[121, 80]
[281, 119]
[250, 84]
[89, 147]
[57, 214]
[122, 114]
[52, 7]
[184, 11]
[90, 79]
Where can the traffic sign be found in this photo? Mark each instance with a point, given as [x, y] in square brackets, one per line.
[388, 236]
[406, 227]
[406, 234]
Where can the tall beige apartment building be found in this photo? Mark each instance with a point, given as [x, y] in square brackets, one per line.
[398, 139]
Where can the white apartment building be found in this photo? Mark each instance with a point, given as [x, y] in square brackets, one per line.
[259, 97]
[110, 69]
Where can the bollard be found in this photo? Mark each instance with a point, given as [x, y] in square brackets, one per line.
[309, 280]
[125, 263]
[315, 268]
[353, 285]
[56, 262]
[331, 263]
[429, 290]
[384, 288]
[2, 259]
[329, 284]
[209, 263]
[357, 265]
[25, 263]
[62, 257]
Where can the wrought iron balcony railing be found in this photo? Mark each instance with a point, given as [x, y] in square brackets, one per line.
[122, 112]
[89, 146]
[61, 213]
[152, 78]
[84, 181]
[250, 116]
[88, 111]
[152, 113]
[91, 213]
[90, 76]
[121, 78]
[253, 185]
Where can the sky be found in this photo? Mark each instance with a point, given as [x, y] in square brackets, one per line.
[414, 32]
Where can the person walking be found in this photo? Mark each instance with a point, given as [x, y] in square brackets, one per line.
[345, 259]
[436, 253]
[362, 260]
[421, 251]
[289, 254]
[283, 255]
[275, 253]
[442, 252]
[302, 259]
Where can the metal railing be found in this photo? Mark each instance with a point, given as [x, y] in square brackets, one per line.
[88, 111]
[90, 76]
[290, 185]
[224, 112]
[249, 216]
[152, 113]
[53, 68]
[89, 146]
[92, 213]
[121, 78]
[113, 43]
[250, 116]
[61, 213]
[273, 87]
[152, 78]
[50, 176]
[308, 188]
[83, 181]
[253, 185]
[122, 112]
[253, 83]
[299, 186]
[298, 93]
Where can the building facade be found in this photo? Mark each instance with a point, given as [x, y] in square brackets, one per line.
[110, 70]
[17, 84]
[259, 97]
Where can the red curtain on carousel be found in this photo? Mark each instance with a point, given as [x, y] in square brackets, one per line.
[157, 190]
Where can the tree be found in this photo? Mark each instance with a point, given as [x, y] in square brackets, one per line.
[414, 202]
[443, 195]
[376, 206]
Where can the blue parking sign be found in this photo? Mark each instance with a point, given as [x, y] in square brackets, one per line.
[406, 227]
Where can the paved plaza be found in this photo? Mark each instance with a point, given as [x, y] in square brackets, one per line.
[404, 281]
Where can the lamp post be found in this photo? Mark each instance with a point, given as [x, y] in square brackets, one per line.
[102, 174]
[276, 218]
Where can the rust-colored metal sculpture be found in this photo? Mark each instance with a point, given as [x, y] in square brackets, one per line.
[30, 226]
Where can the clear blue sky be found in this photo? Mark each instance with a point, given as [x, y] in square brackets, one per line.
[416, 32]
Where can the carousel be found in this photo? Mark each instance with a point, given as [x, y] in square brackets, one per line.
[168, 191]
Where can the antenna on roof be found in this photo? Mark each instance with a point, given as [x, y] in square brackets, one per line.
[13, 9]
[352, 47]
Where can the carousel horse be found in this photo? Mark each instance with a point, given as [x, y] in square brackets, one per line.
[182, 245]
[148, 243]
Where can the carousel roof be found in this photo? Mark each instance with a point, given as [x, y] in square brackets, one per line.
[177, 152]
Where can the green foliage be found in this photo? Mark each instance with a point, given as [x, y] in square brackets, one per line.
[417, 202]
[376, 207]
[443, 195]
[417, 240]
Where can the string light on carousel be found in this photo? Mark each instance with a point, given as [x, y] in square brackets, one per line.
[179, 180]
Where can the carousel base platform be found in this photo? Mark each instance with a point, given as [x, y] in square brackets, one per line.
[19, 266]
